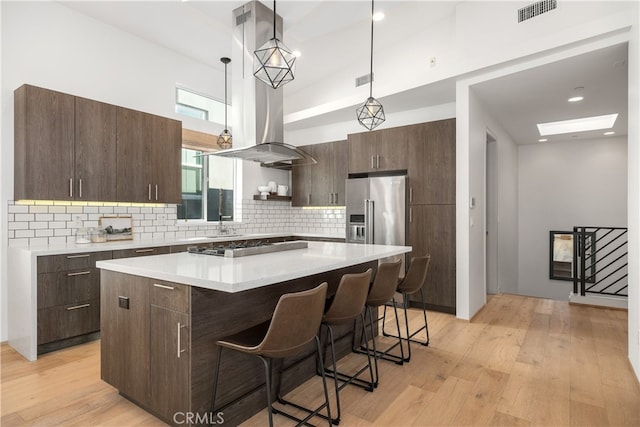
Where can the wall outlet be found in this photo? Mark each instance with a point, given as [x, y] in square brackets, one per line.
[123, 302]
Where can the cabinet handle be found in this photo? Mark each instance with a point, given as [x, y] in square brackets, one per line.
[410, 194]
[377, 162]
[80, 188]
[149, 191]
[78, 306]
[410, 214]
[156, 192]
[141, 251]
[70, 187]
[78, 256]
[372, 162]
[79, 273]
[309, 199]
[180, 349]
[157, 285]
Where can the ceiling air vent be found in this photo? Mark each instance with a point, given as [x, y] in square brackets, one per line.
[363, 80]
[535, 9]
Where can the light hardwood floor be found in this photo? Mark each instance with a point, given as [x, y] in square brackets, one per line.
[521, 361]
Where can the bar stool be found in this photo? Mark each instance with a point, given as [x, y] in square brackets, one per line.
[347, 304]
[382, 291]
[411, 284]
[295, 323]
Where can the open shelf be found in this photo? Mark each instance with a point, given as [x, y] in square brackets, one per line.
[272, 197]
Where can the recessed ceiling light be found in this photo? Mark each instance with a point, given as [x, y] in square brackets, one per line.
[577, 125]
[577, 95]
[543, 140]
[378, 16]
[609, 133]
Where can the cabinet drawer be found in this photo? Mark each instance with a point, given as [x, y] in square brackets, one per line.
[66, 321]
[170, 295]
[68, 287]
[78, 261]
[130, 253]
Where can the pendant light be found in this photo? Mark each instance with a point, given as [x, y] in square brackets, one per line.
[225, 140]
[276, 61]
[370, 114]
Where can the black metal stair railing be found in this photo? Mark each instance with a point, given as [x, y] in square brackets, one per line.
[601, 255]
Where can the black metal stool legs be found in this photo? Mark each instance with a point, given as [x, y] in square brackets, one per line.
[385, 355]
[311, 413]
[271, 409]
[409, 336]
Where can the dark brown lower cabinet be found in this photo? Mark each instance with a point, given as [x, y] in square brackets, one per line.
[66, 321]
[68, 299]
[169, 363]
[432, 232]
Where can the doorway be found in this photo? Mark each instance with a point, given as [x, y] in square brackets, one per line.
[491, 215]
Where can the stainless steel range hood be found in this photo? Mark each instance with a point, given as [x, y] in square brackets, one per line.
[258, 130]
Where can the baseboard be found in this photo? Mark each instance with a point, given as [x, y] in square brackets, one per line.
[599, 301]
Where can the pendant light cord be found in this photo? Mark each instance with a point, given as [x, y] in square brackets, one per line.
[225, 97]
[371, 56]
[274, 19]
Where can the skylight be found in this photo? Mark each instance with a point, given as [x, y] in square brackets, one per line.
[577, 125]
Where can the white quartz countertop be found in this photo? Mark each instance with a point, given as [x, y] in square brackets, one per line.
[136, 244]
[250, 272]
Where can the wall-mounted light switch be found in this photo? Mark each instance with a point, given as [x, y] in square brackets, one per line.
[123, 302]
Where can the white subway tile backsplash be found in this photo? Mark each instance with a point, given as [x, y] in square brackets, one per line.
[36, 224]
[25, 233]
[18, 209]
[45, 232]
[24, 217]
[38, 209]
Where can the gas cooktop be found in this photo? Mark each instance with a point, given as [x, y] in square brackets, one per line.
[238, 249]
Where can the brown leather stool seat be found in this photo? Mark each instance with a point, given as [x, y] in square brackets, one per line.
[381, 292]
[346, 305]
[412, 284]
[295, 323]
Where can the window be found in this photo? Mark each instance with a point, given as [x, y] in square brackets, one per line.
[199, 106]
[207, 181]
[207, 187]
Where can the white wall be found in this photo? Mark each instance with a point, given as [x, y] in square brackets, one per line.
[634, 190]
[506, 196]
[476, 35]
[562, 185]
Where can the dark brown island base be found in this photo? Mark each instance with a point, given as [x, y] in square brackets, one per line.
[158, 335]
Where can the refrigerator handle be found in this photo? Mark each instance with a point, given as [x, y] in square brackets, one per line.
[368, 221]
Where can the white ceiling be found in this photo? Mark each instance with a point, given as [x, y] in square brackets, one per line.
[201, 30]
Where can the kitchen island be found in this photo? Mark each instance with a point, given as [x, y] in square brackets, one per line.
[161, 314]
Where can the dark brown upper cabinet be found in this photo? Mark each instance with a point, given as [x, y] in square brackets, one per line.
[322, 183]
[66, 148]
[95, 150]
[432, 162]
[148, 152]
[376, 151]
[44, 144]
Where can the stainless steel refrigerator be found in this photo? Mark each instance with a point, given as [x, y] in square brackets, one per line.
[376, 209]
